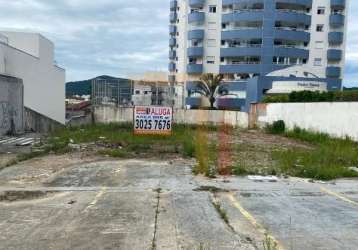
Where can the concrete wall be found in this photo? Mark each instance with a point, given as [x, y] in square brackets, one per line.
[11, 105]
[108, 114]
[31, 58]
[36, 122]
[338, 119]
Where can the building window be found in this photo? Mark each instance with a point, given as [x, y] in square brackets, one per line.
[222, 59]
[321, 10]
[211, 42]
[318, 62]
[210, 59]
[137, 92]
[319, 28]
[319, 45]
[212, 9]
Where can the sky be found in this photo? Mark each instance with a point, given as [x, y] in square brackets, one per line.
[117, 37]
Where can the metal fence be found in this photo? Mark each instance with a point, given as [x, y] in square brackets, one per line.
[128, 93]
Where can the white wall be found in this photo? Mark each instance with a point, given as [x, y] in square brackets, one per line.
[108, 114]
[337, 119]
[44, 82]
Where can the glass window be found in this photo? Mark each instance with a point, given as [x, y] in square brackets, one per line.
[321, 10]
[212, 9]
[319, 28]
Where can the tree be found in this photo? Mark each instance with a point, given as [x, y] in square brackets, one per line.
[209, 84]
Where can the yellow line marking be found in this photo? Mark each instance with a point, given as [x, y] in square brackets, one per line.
[338, 195]
[96, 199]
[253, 221]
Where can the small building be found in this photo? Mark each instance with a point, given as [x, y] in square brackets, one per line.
[30, 57]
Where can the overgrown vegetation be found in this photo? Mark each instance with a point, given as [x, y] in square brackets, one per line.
[269, 243]
[205, 153]
[278, 127]
[313, 96]
[222, 213]
[329, 158]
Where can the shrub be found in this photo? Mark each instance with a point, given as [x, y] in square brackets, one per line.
[275, 98]
[278, 127]
[311, 96]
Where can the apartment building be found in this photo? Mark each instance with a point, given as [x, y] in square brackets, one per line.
[260, 46]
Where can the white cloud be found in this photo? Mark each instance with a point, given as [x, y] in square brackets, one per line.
[117, 37]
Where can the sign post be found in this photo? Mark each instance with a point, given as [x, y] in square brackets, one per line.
[153, 120]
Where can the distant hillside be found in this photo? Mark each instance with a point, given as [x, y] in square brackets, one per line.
[85, 87]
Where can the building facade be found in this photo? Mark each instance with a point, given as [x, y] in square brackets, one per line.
[30, 57]
[260, 46]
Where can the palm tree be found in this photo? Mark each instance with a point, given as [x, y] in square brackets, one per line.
[209, 83]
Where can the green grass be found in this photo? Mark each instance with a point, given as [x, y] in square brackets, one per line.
[121, 141]
[329, 158]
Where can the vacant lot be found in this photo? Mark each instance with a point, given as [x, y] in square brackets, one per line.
[101, 188]
[218, 150]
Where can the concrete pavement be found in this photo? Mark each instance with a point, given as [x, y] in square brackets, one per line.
[151, 204]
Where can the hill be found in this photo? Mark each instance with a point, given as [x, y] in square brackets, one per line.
[85, 87]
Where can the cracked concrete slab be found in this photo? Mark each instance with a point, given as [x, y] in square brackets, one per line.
[114, 204]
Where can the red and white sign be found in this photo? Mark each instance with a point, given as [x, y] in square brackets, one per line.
[153, 120]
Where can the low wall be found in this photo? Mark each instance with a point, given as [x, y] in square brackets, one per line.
[338, 119]
[78, 121]
[36, 122]
[11, 105]
[108, 114]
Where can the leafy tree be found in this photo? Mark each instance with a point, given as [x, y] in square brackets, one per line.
[209, 83]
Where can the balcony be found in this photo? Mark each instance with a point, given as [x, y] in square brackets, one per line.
[291, 52]
[248, 16]
[195, 52]
[193, 68]
[335, 38]
[240, 68]
[196, 35]
[172, 42]
[292, 17]
[240, 51]
[338, 4]
[196, 17]
[336, 20]
[305, 3]
[334, 55]
[172, 30]
[172, 54]
[234, 2]
[171, 67]
[173, 17]
[173, 5]
[292, 35]
[196, 3]
[243, 33]
[333, 72]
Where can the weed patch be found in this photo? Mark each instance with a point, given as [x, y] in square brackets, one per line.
[330, 158]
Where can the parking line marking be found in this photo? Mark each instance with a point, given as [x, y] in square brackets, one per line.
[338, 195]
[253, 221]
[96, 199]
